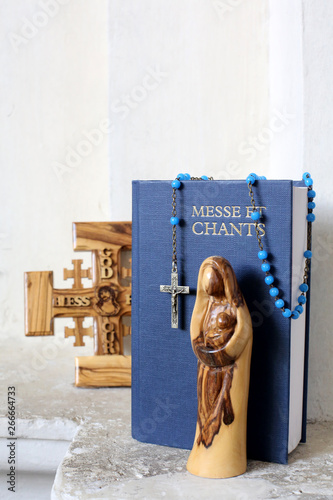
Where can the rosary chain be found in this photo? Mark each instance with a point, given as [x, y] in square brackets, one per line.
[308, 247]
[174, 232]
[253, 203]
[175, 222]
[309, 240]
[200, 178]
[174, 227]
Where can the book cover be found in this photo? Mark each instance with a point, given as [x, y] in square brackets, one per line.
[215, 220]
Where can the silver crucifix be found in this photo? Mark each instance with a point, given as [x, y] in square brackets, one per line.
[175, 290]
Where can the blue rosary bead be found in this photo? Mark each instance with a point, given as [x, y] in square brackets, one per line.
[269, 280]
[286, 313]
[174, 221]
[181, 177]
[299, 309]
[187, 177]
[176, 184]
[302, 299]
[255, 215]
[204, 177]
[262, 254]
[311, 217]
[250, 179]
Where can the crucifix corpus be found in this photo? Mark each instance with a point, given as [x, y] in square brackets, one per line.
[174, 290]
[107, 301]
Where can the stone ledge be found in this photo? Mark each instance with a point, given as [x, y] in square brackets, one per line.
[104, 462]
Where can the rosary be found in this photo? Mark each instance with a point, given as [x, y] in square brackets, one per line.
[174, 289]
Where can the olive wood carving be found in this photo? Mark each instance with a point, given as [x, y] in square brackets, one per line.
[221, 335]
[101, 371]
[107, 301]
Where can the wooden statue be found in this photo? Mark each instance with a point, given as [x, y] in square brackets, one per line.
[221, 335]
[107, 301]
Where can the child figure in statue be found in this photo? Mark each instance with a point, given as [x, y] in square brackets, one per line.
[221, 335]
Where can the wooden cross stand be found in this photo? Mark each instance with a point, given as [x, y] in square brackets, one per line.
[108, 302]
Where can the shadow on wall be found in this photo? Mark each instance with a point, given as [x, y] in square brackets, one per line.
[320, 399]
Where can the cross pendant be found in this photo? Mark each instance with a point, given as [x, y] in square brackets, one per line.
[175, 290]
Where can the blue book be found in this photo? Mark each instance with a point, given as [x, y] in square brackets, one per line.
[216, 220]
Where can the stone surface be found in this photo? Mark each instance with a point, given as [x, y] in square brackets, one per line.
[104, 462]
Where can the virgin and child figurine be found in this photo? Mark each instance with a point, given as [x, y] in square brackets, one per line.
[221, 335]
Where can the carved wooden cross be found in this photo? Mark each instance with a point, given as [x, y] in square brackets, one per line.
[78, 332]
[77, 274]
[107, 301]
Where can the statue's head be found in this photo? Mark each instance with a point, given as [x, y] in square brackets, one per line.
[217, 278]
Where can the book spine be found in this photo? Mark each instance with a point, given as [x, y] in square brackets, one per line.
[284, 451]
[135, 347]
[306, 346]
[306, 357]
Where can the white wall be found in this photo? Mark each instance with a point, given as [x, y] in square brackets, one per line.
[210, 99]
[54, 88]
[318, 157]
[186, 86]
[286, 82]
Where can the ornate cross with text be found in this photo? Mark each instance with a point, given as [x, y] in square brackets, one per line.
[107, 301]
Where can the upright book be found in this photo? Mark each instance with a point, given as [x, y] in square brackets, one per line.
[216, 220]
